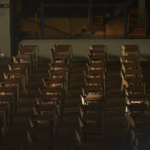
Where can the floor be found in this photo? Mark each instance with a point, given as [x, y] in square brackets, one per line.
[114, 116]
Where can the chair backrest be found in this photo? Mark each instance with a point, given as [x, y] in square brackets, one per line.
[126, 83]
[80, 122]
[121, 59]
[5, 76]
[14, 60]
[44, 82]
[29, 138]
[78, 137]
[37, 101]
[19, 53]
[87, 67]
[131, 121]
[49, 66]
[89, 60]
[90, 47]
[31, 123]
[122, 46]
[81, 112]
[83, 91]
[85, 74]
[34, 110]
[9, 67]
[49, 73]
[82, 100]
[122, 74]
[124, 53]
[85, 82]
[123, 67]
[127, 92]
[20, 46]
[40, 91]
[133, 140]
[52, 54]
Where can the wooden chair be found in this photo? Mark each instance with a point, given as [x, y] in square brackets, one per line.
[137, 109]
[89, 130]
[133, 126]
[133, 98]
[35, 133]
[90, 117]
[87, 145]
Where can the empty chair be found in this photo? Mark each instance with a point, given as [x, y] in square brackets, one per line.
[89, 130]
[133, 88]
[134, 98]
[130, 50]
[140, 130]
[87, 145]
[88, 116]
